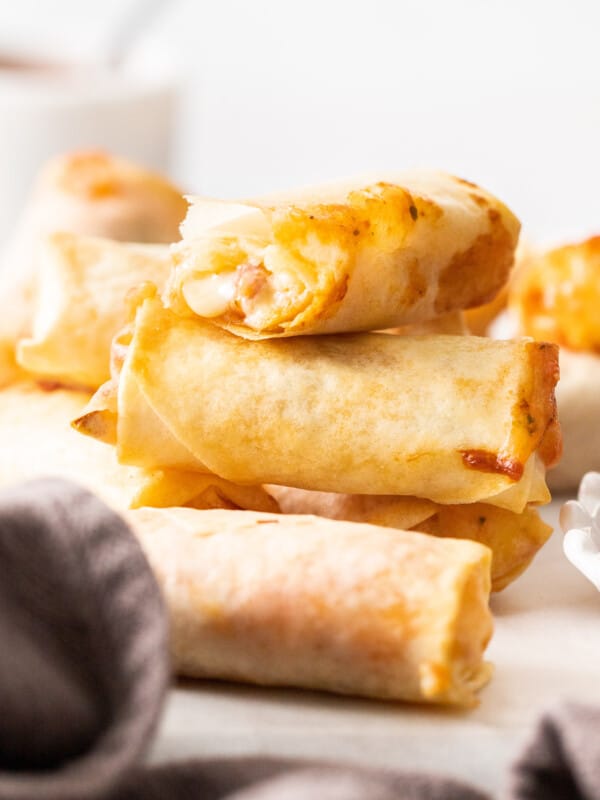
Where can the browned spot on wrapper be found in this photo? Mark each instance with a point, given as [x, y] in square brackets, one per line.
[543, 402]
[465, 182]
[49, 386]
[470, 269]
[481, 201]
[340, 290]
[486, 461]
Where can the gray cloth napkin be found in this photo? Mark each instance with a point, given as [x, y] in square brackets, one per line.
[84, 671]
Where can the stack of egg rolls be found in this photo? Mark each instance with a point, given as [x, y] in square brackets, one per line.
[255, 355]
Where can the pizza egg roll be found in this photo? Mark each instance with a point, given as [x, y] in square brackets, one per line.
[90, 193]
[82, 283]
[452, 419]
[366, 254]
[98, 194]
[302, 601]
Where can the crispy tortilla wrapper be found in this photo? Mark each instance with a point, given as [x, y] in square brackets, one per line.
[514, 539]
[303, 601]
[371, 253]
[37, 440]
[82, 283]
[452, 419]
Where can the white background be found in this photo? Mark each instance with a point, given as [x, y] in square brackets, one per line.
[279, 93]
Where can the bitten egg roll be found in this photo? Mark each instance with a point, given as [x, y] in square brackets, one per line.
[449, 418]
[366, 254]
[37, 440]
[82, 283]
[514, 539]
[303, 601]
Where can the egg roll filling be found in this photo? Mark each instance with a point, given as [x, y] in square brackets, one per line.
[250, 292]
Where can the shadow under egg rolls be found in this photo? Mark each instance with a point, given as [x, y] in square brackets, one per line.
[37, 440]
[514, 539]
[366, 254]
[449, 418]
[82, 283]
[303, 601]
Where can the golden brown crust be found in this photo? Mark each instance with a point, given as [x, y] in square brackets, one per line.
[541, 415]
[479, 319]
[464, 283]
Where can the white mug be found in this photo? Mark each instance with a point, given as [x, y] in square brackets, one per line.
[49, 109]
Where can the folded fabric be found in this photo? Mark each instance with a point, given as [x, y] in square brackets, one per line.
[562, 760]
[84, 671]
[83, 667]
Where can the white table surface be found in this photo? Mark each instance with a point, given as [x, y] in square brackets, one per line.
[546, 647]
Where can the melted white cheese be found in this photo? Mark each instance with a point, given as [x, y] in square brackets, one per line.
[210, 296]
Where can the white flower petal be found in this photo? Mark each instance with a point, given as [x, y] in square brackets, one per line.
[589, 492]
[574, 515]
[583, 554]
[595, 531]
